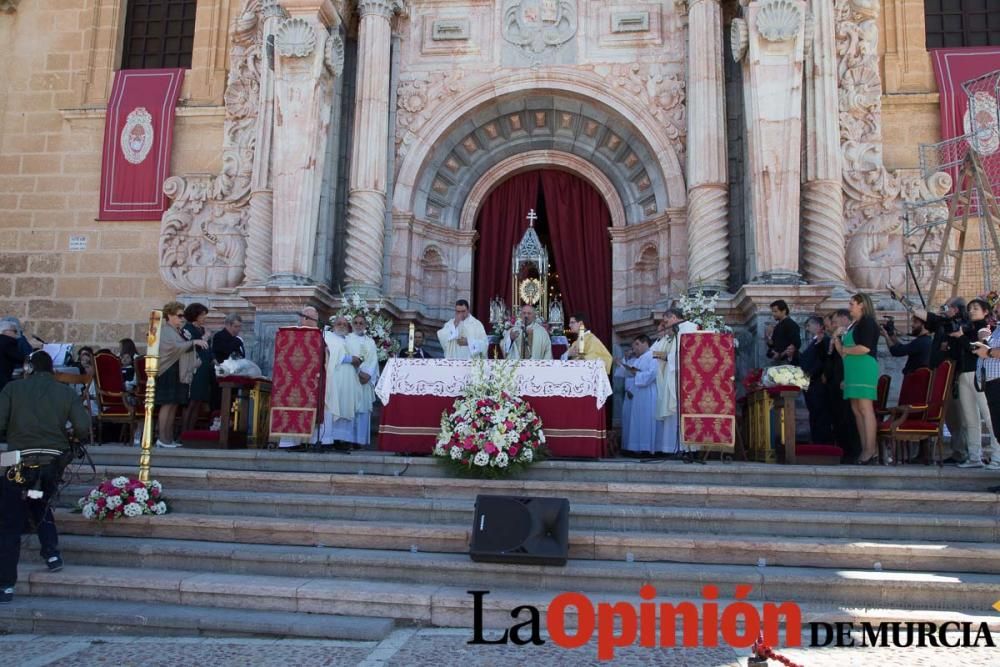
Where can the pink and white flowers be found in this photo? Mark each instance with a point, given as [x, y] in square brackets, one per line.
[122, 497]
[490, 431]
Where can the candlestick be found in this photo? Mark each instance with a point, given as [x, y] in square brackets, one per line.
[412, 331]
[579, 347]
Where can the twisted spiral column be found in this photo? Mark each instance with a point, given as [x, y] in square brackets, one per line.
[259, 237]
[708, 242]
[365, 237]
[823, 249]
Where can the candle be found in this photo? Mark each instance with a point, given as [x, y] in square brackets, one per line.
[412, 330]
[579, 347]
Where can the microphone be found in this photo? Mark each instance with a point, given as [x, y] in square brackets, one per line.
[39, 339]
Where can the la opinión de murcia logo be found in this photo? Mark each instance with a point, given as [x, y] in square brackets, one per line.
[738, 624]
[137, 135]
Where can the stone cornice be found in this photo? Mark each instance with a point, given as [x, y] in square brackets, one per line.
[321, 9]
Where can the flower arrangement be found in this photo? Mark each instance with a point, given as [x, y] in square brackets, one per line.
[700, 309]
[786, 376]
[490, 431]
[122, 497]
[379, 325]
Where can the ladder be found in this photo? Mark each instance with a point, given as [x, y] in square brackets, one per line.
[972, 181]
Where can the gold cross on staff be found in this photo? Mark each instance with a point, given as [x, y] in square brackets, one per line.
[532, 216]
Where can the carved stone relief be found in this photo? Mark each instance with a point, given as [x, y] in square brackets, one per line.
[418, 98]
[662, 91]
[538, 25]
[8, 6]
[203, 235]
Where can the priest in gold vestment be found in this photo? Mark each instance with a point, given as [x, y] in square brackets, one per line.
[528, 339]
[587, 346]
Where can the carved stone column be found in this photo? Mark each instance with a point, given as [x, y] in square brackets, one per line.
[303, 94]
[823, 243]
[772, 75]
[367, 196]
[707, 208]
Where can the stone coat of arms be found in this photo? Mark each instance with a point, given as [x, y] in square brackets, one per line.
[537, 25]
[137, 135]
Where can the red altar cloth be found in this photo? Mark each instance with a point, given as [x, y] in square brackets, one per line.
[574, 426]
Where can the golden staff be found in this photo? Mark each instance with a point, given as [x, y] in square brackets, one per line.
[152, 366]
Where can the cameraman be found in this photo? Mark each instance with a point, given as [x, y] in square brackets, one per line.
[947, 343]
[33, 415]
[917, 351]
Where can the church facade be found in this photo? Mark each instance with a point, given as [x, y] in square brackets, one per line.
[759, 148]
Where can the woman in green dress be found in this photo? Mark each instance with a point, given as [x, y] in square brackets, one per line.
[857, 346]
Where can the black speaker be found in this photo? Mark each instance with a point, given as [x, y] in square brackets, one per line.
[510, 529]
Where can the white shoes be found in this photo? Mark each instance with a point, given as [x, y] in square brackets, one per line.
[168, 445]
[970, 464]
[993, 465]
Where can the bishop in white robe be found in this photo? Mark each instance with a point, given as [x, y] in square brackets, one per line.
[643, 371]
[361, 346]
[342, 390]
[463, 337]
[528, 339]
[673, 326]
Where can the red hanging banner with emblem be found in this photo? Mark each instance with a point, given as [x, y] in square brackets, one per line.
[707, 388]
[138, 135]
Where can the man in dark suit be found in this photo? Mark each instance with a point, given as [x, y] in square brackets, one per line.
[814, 361]
[226, 343]
[418, 347]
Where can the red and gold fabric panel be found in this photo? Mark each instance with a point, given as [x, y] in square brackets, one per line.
[299, 382]
[707, 389]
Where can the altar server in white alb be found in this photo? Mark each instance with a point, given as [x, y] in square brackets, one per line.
[642, 371]
[673, 326]
[463, 337]
[527, 339]
[342, 391]
[361, 346]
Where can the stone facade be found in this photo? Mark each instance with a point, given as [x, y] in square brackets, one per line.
[358, 150]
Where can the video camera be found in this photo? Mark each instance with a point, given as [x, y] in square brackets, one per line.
[889, 325]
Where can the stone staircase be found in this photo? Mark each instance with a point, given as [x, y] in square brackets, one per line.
[337, 546]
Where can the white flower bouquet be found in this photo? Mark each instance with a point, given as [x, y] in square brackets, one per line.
[122, 497]
[490, 431]
[785, 376]
[700, 309]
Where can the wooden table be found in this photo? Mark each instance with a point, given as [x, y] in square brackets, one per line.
[768, 442]
[245, 409]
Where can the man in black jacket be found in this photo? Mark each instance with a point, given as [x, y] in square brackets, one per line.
[226, 343]
[33, 416]
[814, 360]
[785, 339]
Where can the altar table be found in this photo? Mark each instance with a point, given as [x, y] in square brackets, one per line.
[568, 396]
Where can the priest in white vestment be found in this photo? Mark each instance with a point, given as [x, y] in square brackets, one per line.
[672, 326]
[463, 337]
[362, 346]
[642, 371]
[342, 392]
[527, 339]
[628, 384]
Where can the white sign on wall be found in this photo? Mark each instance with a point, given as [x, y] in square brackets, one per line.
[77, 243]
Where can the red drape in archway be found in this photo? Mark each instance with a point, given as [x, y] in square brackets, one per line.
[578, 220]
[501, 224]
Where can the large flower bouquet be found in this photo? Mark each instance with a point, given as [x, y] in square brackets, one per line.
[700, 309]
[379, 325]
[490, 431]
[123, 497]
[786, 376]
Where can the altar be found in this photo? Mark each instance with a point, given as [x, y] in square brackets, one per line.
[568, 396]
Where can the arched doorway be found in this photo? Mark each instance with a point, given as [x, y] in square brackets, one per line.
[573, 222]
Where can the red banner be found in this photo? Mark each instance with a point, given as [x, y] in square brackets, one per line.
[299, 382]
[138, 135]
[707, 389]
[953, 67]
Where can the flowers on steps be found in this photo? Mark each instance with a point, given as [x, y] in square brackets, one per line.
[122, 497]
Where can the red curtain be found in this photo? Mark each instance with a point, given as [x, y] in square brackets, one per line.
[502, 222]
[578, 222]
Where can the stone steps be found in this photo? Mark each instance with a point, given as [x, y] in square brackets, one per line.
[915, 590]
[43, 614]
[868, 525]
[584, 544]
[621, 494]
[315, 601]
[916, 477]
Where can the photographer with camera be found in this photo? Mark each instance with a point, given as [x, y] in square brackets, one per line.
[917, 351]
[33, 416]
[947, 327]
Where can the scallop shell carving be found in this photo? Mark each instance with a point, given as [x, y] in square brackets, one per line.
[333, 55]
[739, 37]
[779, 20]
[296, 38]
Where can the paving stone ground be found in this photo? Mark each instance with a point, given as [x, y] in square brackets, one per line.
[426, 648]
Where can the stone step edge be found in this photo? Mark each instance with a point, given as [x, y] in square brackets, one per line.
[129, 616]
[77, 525]
[415, 603]
[554, 487]
[645, 570]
